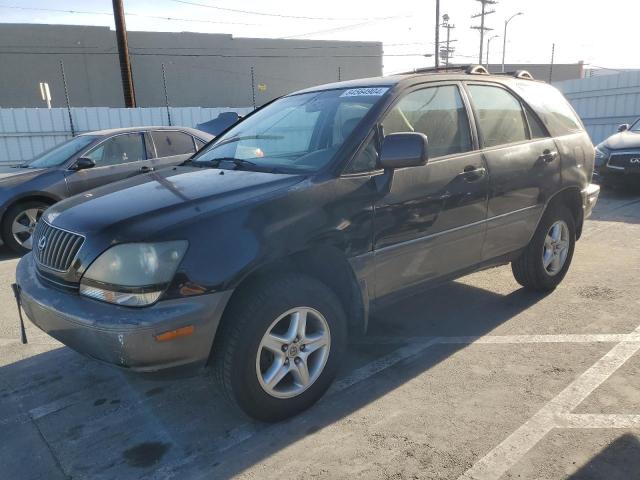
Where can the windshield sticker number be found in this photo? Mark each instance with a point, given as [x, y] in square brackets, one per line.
[364, 92]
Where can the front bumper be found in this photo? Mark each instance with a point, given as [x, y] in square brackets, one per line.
[122, 336]
[589, 199]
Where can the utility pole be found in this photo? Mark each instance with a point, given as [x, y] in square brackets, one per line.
[446, 52]
[482, 28]
[437, 51]
[553, 53]
[123, 53]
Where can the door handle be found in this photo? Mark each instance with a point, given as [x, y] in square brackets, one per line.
[146, 169]
[473, 173]
[548, 156]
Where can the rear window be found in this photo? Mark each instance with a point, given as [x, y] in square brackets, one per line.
[172, 143]
[551, 106]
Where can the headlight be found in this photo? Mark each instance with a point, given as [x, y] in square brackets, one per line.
[602, 155]
[133, 274]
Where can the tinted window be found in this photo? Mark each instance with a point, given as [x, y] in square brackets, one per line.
[439, 113]
[551, 106]
[536, 128]
[366, 160]
[172, 143]
[500, 116]
[119, 149]
[61, 153]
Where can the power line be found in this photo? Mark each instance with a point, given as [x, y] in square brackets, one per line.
[344, 27]
[129, 14]
[481, 27]
[267, 14]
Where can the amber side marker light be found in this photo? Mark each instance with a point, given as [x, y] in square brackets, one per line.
[173, 334]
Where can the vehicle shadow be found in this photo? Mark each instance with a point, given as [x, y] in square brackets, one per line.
[620, 460]
[98, 421]
[6, 254]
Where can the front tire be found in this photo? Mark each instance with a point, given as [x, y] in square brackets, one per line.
[280, 346]
[19, 224]
[546, 259]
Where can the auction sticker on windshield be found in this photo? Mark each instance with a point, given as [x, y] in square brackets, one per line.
[364, 92]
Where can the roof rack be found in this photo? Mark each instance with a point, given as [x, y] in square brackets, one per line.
[522, 74]
[470, 69]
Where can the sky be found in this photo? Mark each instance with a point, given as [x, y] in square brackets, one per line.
[601, 34]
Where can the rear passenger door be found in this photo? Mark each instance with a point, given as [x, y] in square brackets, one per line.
[172, 147]
[523, 163]
[430, 224]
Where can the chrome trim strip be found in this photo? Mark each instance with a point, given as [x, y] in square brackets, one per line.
[451, 230]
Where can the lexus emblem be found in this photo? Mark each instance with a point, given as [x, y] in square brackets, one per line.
[42, 243]
[635, 160]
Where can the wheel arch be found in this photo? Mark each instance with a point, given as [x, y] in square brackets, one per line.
[572, 199]
[327, 264]
[28, 197]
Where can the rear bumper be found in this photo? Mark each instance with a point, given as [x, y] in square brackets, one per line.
[119, 335]
[589, 199]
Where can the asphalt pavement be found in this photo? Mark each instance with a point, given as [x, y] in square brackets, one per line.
[476, 379]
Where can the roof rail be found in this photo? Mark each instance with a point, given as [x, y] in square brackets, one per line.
[476, 70]
[522, 74]
[452, 68]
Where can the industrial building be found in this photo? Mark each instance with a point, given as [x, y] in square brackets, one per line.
[206, 70]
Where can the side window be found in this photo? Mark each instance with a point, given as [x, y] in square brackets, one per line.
[536, 128]
[169, 143]
[367, 158]
[199, 143]
[119, 149]
[553, 108]
[500, 116]
[439, 113]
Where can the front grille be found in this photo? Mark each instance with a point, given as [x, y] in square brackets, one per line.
[624, 160]
[55, 248]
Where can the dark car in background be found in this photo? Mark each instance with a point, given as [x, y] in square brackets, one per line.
[618, 157]
[278, 239]
[86, 161]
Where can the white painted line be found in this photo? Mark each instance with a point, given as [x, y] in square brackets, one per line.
[508, 339]
[504, 456]
[590, 420]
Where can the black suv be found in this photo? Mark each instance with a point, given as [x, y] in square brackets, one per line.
[261, 253]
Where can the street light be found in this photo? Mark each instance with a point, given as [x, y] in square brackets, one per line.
[504, 38]
[488, 45]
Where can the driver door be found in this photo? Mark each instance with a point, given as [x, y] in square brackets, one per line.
[118, 157]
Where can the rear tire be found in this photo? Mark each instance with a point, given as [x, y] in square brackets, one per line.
[546, 259]
[253, 348]
[19, 224]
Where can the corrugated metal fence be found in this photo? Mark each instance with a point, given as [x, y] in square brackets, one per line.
[25, 132]
[604, 102]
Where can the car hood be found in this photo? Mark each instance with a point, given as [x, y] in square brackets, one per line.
[134, 209]
[19, 174]
[623, 141]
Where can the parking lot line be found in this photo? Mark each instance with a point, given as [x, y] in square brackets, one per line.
[505, 455]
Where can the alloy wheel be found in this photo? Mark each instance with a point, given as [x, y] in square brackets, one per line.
[556, 248]
[293, 352]
[24, 225]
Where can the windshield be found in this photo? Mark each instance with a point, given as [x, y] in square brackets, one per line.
[299, 133]
[635, 127]
[61, 153]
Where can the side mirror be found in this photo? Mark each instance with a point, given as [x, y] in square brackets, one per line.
[83, 163]
[623, 128]
[400, 150]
